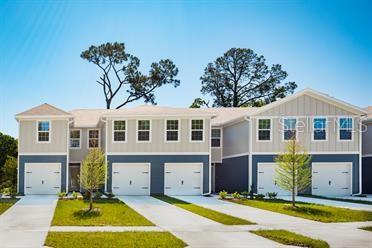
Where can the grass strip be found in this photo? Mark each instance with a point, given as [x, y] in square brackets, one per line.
[6, 203]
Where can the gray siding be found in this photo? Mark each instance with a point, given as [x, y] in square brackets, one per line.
[306, 106]
[367, 175]
[28, 137]
[232, 175]
[158, 143]
[305, 132]
[41, 159]
[78, 155]
[236, 139]
[367, 139]
[157, 168]
[216, 155]
[353, 158]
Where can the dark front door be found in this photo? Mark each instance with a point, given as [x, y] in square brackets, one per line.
[74, 173]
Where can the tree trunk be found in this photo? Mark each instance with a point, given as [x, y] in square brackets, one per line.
[293, 186]
[90, 200]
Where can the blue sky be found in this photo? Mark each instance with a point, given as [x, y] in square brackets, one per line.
[325, 45]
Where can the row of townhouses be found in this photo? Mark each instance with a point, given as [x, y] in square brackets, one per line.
[184, 151]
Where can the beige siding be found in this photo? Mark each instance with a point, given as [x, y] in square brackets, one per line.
[367, 140]
[216, 155]
[305, 106]
[158, 143]
[236, 139]
[305, 137]
[78, 155]
[28, 137]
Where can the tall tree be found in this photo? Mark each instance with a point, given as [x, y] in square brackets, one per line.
[93, 171]
[9, 174]
[293, 172]
[8, 147]
[120, 73]
[241, 78]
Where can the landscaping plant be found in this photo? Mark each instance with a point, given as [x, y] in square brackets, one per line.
[236, 195]
[223, 194]
[93, 171]
[293, 172]
[62, 195]
[272, 195]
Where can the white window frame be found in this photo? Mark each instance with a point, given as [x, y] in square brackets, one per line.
[75, 148]
[99, 138]
[258, 129]
[150, 131]
[203, 130]
[166, 131]
[37, 132]
[113, 131]
[339, 128]
[219, 138]
[283, 127]
[325, 128]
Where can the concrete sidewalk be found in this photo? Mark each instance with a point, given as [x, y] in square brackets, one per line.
[195, 230]
[26, 224]
[336, 234]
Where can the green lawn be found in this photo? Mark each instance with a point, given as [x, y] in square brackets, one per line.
[366, 228]
[291, 238]
[6, 203]
[112, 213]
[309, 211]
[112, 239]
[340, 199]
[205, 212]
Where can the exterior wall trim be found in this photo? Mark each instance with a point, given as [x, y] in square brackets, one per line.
[157, 153]
[367, 155]
[236, 155]
[310, 152]
[41, 153]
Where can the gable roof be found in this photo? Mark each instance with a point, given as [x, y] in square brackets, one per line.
[316, 94]
[43, 110]
[369, 111]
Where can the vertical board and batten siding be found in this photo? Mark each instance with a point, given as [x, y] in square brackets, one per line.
[28, 137]
[367, 139]
[158, 143]
[78, 155]
[216, 154]
[305, 108]
[236, 139]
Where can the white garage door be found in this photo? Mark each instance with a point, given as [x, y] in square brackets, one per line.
[331, 179]
[42, 178]
[266, 180]
[131, 178]
[183, 178]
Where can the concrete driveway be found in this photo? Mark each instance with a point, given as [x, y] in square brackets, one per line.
[195, 230]
[336, 234]
[341, 204]
[26, 223]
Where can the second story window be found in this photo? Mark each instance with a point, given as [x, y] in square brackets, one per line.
[320, 129]
[345, 129]
[197, 130]
[143, 130]
[172, 130]
[93, 138]
[43, 131]
[264, 129]
[119, 131]
[216, 138]
[75, 139]
[289, 128]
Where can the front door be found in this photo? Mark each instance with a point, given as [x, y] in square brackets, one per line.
[74, 175]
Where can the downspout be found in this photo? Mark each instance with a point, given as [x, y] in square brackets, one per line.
[209, 160]
[105, 121]
[69, 121]
[250, 182]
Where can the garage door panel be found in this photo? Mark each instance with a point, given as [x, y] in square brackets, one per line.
[266, 181]
[183, 178]
[131, 178]
[42, 178]
[332, 179]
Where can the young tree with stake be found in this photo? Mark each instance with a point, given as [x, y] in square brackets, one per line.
[293, 172]
[93, 172]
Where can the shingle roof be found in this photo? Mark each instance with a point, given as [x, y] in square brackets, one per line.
[43, 110]
[369, 111]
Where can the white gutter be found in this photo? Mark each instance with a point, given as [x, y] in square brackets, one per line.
[249, 152]
[105, 121]
[68, 152]
[209, 160]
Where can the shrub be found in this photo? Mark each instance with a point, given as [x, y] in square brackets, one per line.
[98, 195]
[260, 196]
[110, 195]
[272, 195]
[6, 191]
[74, 195]
[62, 195]
[236, 195]
[223, 194]
[245, 194]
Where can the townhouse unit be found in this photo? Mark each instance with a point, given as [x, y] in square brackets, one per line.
[183, 151]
